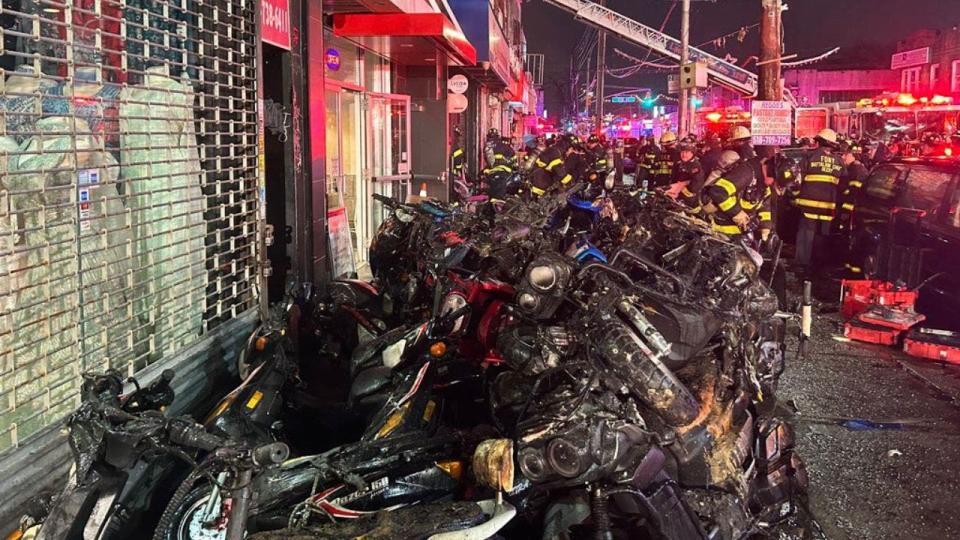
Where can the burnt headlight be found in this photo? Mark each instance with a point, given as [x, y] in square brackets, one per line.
[533, 465]
[543, 278]
[544, 285]
[528, 302]
[565, 458]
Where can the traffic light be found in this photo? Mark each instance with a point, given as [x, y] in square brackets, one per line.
[648, 101]
[696, 102]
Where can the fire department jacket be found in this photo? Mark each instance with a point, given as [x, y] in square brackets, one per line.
[549, 170]
[818, 190]
[661, 173]
[692, 173]
[600, 157]
[646, 159]
[499, 157]
[726, 194]
[850, 184]
[457, 160]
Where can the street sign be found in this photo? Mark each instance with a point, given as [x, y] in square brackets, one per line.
[623, 99]
[275, 22]
[771, 123]
[458, 84]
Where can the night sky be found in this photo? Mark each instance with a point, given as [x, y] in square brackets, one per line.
[810, 26]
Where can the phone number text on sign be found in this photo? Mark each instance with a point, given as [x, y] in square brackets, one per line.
[771, 123]
[275, 22]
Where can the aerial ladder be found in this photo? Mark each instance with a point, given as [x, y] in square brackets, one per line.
[720, 71]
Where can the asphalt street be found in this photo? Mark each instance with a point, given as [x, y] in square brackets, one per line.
[880, 433]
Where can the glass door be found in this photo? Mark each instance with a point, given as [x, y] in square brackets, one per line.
[347, 197]
[388, 150]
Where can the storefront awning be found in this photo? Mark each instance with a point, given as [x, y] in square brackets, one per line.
[409, 38]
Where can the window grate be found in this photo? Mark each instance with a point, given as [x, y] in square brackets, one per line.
[128, 190]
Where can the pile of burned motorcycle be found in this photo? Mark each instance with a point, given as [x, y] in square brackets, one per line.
[589, 365]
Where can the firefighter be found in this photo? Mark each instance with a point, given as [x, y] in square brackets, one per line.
[661, 170]
[817, 200]
[598, 154]
[646, 157]
[710, 155]
[739, 142]
[721, 196]
[501, 163]
[549, 170]
[688, 178]
[457, 157]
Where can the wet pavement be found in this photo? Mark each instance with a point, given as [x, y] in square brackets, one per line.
[880, 434]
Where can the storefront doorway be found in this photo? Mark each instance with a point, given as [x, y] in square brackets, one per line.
[388, 156]
[346, 193]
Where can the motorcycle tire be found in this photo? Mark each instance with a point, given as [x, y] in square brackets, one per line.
[181, 518]
[648, 378]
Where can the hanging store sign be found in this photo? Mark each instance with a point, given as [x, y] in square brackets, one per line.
[456, 103]
[332, 59]
[275, 22]
[914, 57]
[771, 123]
[458, 84]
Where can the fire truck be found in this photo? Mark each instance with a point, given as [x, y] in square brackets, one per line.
[893, 113]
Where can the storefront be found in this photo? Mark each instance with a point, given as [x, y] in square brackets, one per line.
[377, 101]
[129, 191]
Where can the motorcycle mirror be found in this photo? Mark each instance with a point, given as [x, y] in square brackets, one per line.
[493, 464]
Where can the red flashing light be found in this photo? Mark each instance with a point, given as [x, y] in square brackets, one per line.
[906, 100]
[625, 127]
[714, 117]
[539, 126]
[924, 100]
[941, 100]
[745, 114]
[948, 151]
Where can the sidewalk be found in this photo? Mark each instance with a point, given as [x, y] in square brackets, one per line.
[899, 480]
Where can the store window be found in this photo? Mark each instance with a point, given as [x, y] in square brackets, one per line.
[342, 60]
[955, 77]
[376, 73]
[128, 182]
[934, 76]
[910, 80]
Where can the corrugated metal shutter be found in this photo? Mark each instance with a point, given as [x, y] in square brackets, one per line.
[128, 190]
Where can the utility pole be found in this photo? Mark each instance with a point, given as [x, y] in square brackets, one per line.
[601, 72]
[770, 51]
[683, 118]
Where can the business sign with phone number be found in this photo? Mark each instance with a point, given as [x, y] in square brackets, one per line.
[275, 22]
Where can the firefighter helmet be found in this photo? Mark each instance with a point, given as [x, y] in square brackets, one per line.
[827, 136]
[740, 133]
[727, 159]
[668, 137]
[593, 139]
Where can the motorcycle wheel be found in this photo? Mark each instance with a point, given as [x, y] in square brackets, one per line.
[183, 518]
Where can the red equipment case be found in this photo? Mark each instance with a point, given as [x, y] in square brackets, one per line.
[937, 345]
[859, 294]
[871, 333]
[898, 319]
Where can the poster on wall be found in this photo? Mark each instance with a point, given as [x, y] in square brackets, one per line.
[341, 245]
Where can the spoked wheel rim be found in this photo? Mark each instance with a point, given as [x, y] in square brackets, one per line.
[192, 526]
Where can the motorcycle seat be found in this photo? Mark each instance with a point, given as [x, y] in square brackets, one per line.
[369, 382]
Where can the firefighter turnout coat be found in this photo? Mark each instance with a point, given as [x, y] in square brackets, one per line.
[549, 170]
[818, 189]
[726, 194]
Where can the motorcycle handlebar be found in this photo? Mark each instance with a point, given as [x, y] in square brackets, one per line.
[194, 436]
